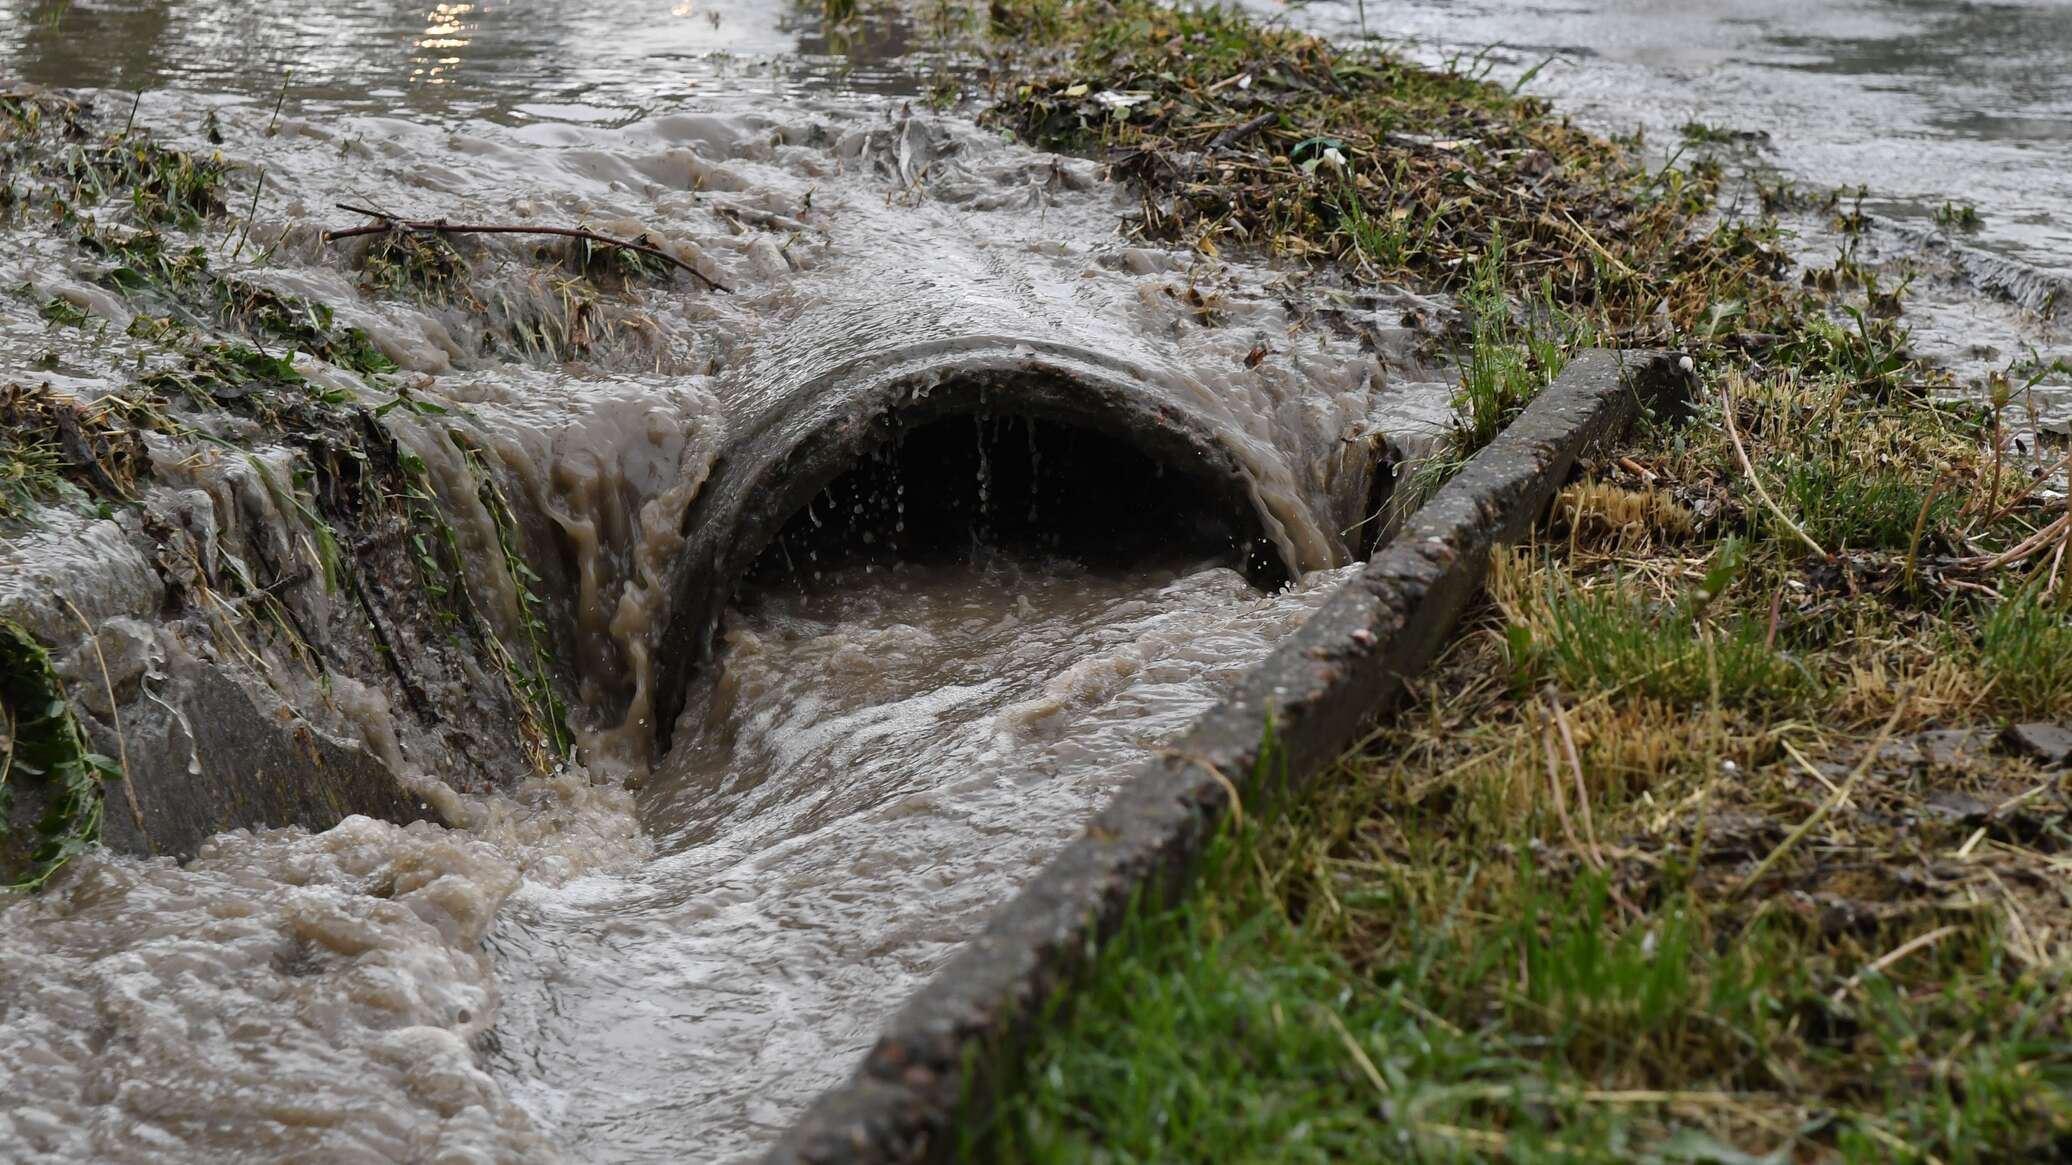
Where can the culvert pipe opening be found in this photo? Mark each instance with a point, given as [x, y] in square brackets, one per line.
[983, 485]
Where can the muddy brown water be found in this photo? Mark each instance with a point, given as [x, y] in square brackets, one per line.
[885, 747]
[907, 714]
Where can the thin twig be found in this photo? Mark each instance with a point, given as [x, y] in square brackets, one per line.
[1598, 247]
[1359, 1053]
[1834, 799]
[1748, 467]
[768, 220]
[2025, 946]
[1568, 830]
[1893, 956]
[1575, 767]
[1807, 765]
[273, 126]
[7, 735]
[1243, 130]
[251, 216]
[129, 791]
[1237, 803]
[2026, 547]
[1920, 527]
[390, 223]
[1776, 614]
[292, 578]
[2063, 463]
[1899, 1147]
[1664, 1096]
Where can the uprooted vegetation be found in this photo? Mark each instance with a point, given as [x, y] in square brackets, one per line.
[49, 447]
[234, 380]
[573, 303]
[1723, 832]
[46, 765]
[1380, 170]
[1239, 134]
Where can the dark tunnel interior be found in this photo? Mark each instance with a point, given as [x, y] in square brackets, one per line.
[963, 485]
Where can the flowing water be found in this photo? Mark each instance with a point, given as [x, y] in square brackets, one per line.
[827, 844]
[654, 963]
[594, 971]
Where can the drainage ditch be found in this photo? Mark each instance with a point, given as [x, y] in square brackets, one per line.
[603, 751]
[933, 672]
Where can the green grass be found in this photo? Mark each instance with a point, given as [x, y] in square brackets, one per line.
[1702, 133]
[2025, 652]
[45, 755]
[1188, 1052]
[181, 284]
[1610, 637]
[53, 448]
[1499, 1014]
[1647, 871]
[84, 166]
[1223, 163]
[1848, 506]
[62, 311]
[1392, 240]
[543, 717]
[1498, 376]
[1658, 865]
[212, 340]
[31, 471]
[1958, 215]
[1868, 353]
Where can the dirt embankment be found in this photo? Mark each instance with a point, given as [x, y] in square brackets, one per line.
[243, 575]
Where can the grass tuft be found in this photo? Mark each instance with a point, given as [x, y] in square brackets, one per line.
[1696, 847]
[2025, 653]
[1610, 637]
[45, 755]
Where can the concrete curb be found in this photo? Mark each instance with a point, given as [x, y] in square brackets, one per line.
[1319, 689]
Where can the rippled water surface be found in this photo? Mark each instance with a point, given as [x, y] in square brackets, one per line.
[825, 842]
[507, 58]
[1923, 101]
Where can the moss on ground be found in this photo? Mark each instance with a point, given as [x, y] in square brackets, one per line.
[1701, 844]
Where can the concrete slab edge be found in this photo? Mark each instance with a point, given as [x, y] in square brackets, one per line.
[1319, 690]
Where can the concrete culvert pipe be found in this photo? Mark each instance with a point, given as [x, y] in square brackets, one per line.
[1026, 445]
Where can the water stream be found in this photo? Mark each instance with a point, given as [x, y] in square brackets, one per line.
[824, 845]
[668, 970]
[665, 963]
